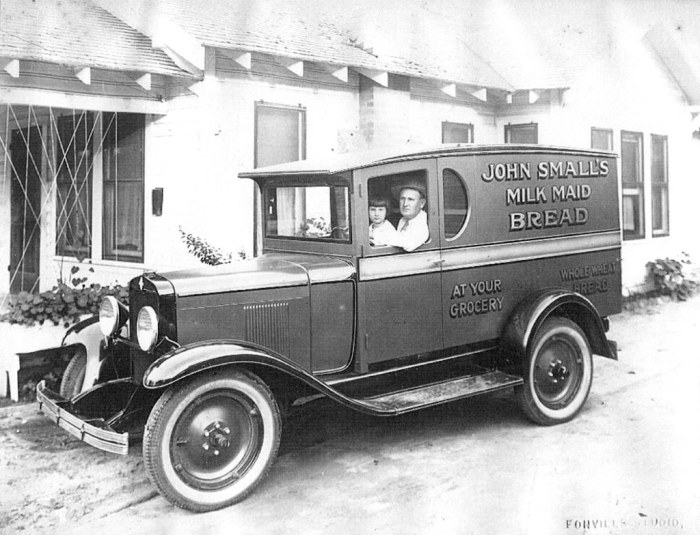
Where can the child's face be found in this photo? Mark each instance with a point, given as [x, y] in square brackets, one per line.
[377, 214]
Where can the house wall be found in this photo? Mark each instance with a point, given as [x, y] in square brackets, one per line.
[44, 89]
[195, 151]
[630, 92]
[430, 107]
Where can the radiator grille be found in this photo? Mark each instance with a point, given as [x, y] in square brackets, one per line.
[268, 325]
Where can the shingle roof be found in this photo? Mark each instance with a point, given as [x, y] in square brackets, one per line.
[321, 31]
[502, 44]
[77, 33]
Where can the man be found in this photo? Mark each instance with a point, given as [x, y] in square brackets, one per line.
[412, 230]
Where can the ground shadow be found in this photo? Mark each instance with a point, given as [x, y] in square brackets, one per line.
[323, 420]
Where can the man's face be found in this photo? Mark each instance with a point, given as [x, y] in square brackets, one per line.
[377, 214]
[411, 202]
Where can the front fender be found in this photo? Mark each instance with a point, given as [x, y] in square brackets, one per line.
[194, 358]
[87, 333]
[80, 329]
[532, 312]
[188, 360]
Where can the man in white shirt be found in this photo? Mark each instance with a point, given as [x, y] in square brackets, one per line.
[412, 230]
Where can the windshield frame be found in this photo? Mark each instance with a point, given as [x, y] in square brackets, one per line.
[277, 242]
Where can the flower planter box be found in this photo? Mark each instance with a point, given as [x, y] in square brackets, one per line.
[23, 355]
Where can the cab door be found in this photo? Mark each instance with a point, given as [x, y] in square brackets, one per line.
[399, 292]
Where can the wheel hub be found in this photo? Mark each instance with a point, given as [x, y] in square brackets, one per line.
[216, 437]
[558, 371]
[216, 440]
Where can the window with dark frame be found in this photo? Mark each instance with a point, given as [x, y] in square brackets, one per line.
[280, 134]
[659, 186]
[457, 132]
[123, 186]
[521, 133]
[602, 138]
[632, 185]
[74, 184]
[455, 201]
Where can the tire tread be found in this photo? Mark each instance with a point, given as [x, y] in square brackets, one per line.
[71, 375]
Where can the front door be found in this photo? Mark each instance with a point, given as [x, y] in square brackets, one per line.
[25, 233]
[399, 291]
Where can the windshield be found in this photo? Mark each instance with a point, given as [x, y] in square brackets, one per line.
[308, 212]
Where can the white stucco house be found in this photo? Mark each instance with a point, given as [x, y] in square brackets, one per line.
[123, 122]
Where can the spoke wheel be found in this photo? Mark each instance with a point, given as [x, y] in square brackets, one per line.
[558, 373]
[210, 441]
[74, 375]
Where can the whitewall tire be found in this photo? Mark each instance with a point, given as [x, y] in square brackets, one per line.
[558, 372]
[210, 440]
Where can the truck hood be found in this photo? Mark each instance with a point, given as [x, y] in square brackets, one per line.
[267, 271]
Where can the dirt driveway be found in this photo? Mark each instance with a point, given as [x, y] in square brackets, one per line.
[629, 464]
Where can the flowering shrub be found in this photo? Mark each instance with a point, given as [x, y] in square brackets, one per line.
[670, 277]
[63, 304]
[315, 227]
[206, 252]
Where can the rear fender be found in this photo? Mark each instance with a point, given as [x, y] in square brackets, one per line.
[537, 307]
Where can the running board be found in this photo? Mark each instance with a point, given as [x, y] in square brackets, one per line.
[442, 392]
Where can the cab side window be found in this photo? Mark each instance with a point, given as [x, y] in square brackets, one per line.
[397, 209]
[456, 203]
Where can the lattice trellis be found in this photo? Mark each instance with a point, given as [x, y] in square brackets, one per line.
[47, 155]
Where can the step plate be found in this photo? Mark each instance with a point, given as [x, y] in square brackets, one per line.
[436, 393]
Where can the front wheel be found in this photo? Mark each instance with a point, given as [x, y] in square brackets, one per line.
[74, 374]
[208, 442]
[558, 373]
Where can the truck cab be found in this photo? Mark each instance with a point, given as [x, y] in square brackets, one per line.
[388, 283]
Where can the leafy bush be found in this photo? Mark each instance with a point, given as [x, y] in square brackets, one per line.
[315, 227]
[27, 390]
[206, 252]
[670, 277]
[63, 304]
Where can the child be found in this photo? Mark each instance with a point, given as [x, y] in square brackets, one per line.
[381, 231]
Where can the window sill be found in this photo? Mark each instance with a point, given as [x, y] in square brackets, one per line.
[104, 263]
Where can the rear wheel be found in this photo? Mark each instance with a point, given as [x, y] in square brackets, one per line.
[210, 441]
[558, 373]
[74, 374]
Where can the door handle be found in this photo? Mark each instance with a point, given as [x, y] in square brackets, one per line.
[437, 261]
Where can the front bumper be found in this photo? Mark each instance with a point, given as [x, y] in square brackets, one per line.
[93, 431]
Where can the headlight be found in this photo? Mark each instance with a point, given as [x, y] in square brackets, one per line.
[147, 328]
[110, 315]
